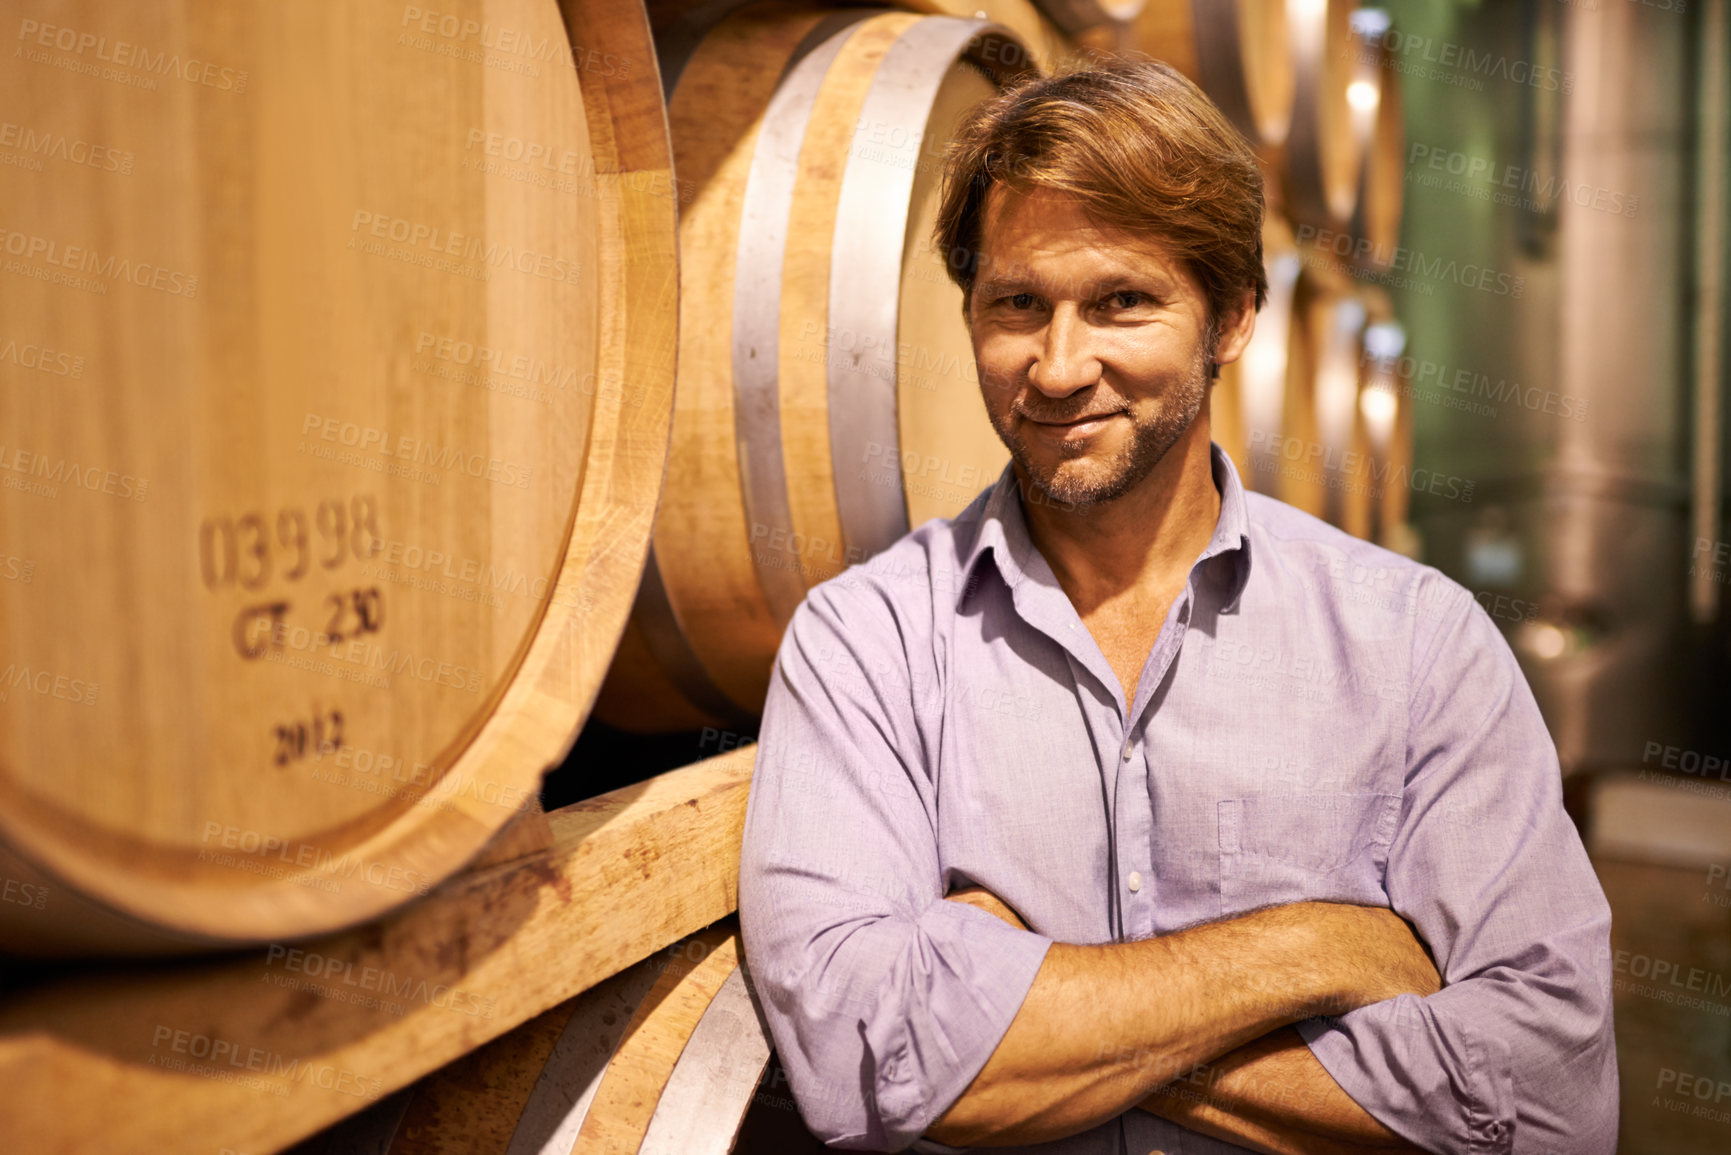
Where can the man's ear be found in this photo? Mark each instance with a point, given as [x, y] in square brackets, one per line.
[1235, 329]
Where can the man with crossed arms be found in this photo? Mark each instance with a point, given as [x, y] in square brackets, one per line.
[1127, 810]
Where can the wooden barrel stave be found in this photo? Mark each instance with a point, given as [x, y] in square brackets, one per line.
[1045, 43]
[1324, 149]
[1321, 398]
[706, 1096]
[1382, 183]
[626, 1098]
[805, 332]
[1256, 384]
[1235, 50]
[1078, 16]
[1386, 409]
[1337, 331]
[769, 299]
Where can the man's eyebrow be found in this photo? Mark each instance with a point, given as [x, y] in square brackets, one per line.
[1140, 282]
[997, 286]
[1003, 286]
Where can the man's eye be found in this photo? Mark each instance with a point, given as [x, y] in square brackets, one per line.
[1125, 299]
[1020, 300]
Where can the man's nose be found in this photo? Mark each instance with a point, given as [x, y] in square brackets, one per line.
[1067, 360]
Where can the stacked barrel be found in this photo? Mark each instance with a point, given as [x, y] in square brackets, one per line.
[334, 528]
[826, 398]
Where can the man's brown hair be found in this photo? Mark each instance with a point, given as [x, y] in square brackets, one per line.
[1140, 147]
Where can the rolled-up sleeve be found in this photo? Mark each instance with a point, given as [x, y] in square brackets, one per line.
[1515, 1055]
[883, 999]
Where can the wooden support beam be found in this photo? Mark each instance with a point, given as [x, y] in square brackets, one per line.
[251, 1052]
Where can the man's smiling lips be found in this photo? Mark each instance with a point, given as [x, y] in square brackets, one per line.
[1073, 430]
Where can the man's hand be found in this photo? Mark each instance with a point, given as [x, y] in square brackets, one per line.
[979, 896]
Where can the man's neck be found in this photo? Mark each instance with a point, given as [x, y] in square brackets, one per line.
[1145, 540]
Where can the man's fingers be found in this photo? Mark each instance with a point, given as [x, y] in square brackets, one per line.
[980, 897]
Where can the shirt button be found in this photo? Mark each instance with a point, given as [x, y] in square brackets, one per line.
[1135, 880]
[1129, 747]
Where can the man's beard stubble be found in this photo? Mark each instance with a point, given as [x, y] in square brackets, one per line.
[1150, 441]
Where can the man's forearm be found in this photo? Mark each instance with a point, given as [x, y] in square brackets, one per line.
[1272, 1095]
[1104, 1025]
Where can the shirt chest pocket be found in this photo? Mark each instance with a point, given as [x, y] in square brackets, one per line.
[1305, 847]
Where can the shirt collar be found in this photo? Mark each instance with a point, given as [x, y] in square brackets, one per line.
[1003, 533]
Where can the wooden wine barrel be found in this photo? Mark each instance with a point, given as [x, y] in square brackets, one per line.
[1249, 401]
[665, 1057]
[827, 398]
[1235, 50]
[1321, 469]
[1385, 408]
[1032, 26]
[1331, 67]
[336, 512]
[1076, 16]
[1382, 180]
[1226, 419]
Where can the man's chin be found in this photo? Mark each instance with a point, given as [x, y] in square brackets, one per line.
[1074, 483]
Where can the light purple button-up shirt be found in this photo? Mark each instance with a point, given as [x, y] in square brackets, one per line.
[1318, 719]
